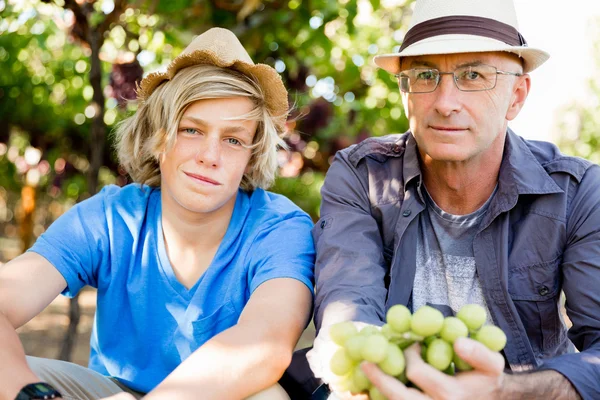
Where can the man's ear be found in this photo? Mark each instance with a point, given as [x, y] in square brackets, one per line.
[519, 95]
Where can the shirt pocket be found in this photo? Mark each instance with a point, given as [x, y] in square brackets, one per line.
[224, 317]
[535, 291]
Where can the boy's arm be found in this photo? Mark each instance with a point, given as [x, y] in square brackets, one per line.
[27, 285]
[250, 356]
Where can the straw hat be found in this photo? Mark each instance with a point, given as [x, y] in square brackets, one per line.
[220, 47]
[463, 26]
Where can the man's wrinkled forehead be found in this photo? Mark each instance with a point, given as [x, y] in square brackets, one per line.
[497, 59]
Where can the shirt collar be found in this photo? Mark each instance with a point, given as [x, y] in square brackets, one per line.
[520, 171]
[411, 168]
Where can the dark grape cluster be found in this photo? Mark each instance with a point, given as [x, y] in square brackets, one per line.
[123, 80]
[384, 346]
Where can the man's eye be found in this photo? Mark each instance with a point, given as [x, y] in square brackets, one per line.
[426, 75]
[470, 75]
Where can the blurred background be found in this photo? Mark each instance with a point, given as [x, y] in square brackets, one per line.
[69, 68]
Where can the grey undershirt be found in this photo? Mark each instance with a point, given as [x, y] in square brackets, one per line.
[446, 277]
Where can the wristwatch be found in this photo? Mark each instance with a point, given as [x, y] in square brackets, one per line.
[40, 390]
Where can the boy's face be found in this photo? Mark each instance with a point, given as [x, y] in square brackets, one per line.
[203, 170]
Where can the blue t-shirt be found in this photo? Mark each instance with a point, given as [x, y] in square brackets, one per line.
[146, 321]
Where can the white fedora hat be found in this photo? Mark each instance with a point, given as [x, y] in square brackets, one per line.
[463, 26]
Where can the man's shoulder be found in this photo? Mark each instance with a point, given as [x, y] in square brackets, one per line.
[554, 161]
[380, 147]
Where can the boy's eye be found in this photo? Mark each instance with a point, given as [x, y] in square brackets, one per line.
[233, 141]
[190, 130]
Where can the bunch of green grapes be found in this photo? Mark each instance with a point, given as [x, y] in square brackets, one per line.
[385, 346]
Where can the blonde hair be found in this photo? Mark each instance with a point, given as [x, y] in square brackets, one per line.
[141, 137]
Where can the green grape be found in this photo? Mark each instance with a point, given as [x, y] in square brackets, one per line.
[439, 354]
[461, 364]
[340, 363]
[424, 350]
[473, 315]
[450, 370]
[375, 394]
[427, 341]
[351, 385]
[453, 329]
[402, 377]
[492, 337]
[394, 362]
[361, 382]
[427, 321]
[369, 330]
[341, 331]
[354, 346]
[388, 331]
[404, 343]
[398, 317]
[375, 348]
[345, 383]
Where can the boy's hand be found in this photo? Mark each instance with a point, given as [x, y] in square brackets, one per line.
[120, 396]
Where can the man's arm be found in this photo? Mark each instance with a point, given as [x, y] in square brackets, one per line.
[27, 285]
[581, 279]
[250, 356]
[349, 268]
[538, 385]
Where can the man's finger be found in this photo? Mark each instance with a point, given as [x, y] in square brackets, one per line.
[389, 386]
[426, 377]
[479, 357]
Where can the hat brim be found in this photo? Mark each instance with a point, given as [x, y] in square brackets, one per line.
[266, 77]
[452, 44]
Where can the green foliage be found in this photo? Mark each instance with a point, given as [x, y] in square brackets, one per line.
[304, 190]
[580, 122]
[323, 50]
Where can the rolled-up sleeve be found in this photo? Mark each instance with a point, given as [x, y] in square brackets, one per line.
[581, 284]
[350, 267]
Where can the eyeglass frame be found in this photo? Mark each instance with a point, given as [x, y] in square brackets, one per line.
[439, 78]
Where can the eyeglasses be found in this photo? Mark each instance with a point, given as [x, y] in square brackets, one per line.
[475, 78]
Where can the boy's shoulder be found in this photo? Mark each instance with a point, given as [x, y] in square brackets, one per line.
[269, 206]
[131, 199]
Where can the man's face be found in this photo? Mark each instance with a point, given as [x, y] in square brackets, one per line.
[203, 170]
[450, 125]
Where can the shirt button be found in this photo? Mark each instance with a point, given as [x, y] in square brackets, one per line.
[543, 290]
[396, 148]
[406, 213]
[323, 224]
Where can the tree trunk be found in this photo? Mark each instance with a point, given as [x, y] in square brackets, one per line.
[69, 340]
[97, 139]
[27, 208]
[98, 132]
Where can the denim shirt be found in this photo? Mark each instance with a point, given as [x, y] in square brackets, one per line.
[540, 236]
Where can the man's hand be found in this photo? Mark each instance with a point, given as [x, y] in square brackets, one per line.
[320, 355]
[484, 381]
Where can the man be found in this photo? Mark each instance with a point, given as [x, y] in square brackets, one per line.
[198, 297]
[462, 210]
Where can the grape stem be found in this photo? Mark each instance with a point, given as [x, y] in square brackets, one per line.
[405, 339]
